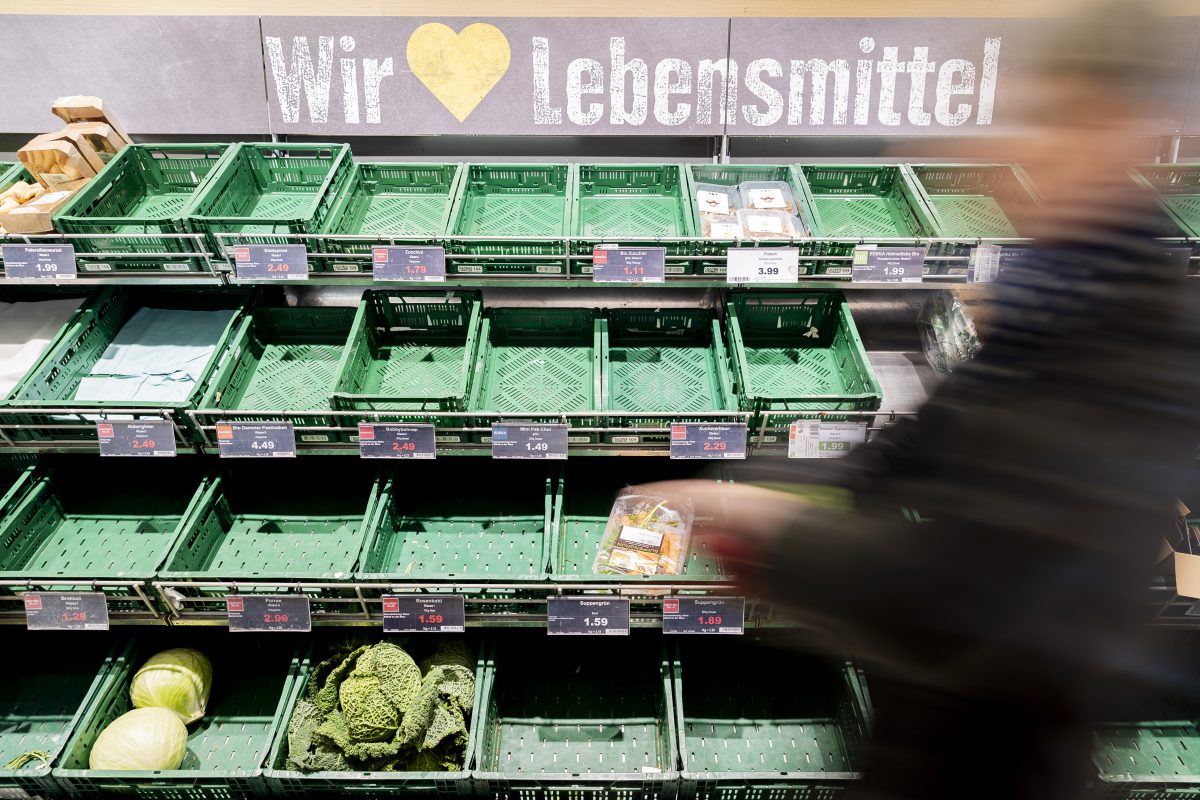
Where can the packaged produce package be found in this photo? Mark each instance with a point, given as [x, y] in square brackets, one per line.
[26, 330]
[769, 224]
[948, 333]
[712, 198]
[768, 196]
[645, 535]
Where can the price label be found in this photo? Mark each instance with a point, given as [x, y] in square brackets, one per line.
[409, 263]
[888, 264]
[629, 264]
[511, 440]
[424, 614]
[66, 611]
[817, 439]
[136, 438]
[384, 440]
[705, 615]
[256, 439]
[586, 616]
[270, 262]
[260, 612]
[763, 265]
[1180, 257]
[708, 440]
[40, 261]
[984, 264]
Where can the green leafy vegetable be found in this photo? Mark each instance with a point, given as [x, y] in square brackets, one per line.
[40, 756]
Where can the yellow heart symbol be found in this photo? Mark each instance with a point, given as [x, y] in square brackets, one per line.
[459, 69]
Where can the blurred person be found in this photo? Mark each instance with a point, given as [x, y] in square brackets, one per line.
[1046, 470]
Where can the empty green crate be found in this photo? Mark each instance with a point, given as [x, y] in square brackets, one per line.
[596, 721]
[583, 502]
[1178, 190]
[635, 205]
[41, 702]
[796, 352]
[252, 680]
[732, 175]
[410, 353]
[536, 363]
[1151, 750]
[68, 525]
[282, 359]
[370, 785]
[512, 200]
[144, 189]
[406, 201]
[498, 531]
[782, 725]
[266, 188]
[668, 360]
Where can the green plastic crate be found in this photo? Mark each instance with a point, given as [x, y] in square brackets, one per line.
[144, 189]
[780, 725]
[253, 677]
[68, 524]
[582, 504]
[596, 721]
[42, 702]
[410, 353]
[1151, 749]
[535, 363]
[10, 173]
[499, 531]
[509, 200]
[636, 205]
[798, 352]
[1178, 190]
[265, 188]
[732, 175]
[370, 785]
[389, 201]
[282, 359]
[669, 360]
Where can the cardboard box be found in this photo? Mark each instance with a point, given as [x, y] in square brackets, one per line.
[98, 141]
[36, 216]
[86, 108]
[57, 163]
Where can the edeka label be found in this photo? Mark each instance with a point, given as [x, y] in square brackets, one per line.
[653, 76]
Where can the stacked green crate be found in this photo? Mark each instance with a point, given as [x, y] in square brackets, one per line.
[635, 205]
[395, 203]
[532, 202]
[1178, 189]
[282, 359]
[252, 680]
[69, 526]
[779, 724]
[302, 526]
[144, 189]
[411, 353]
[537, 363]
[670, 361]
[595, 721]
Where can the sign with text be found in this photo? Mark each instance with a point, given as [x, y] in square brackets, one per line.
[513, 440]
[424, 614]
[984, 265]
[763, 265]
[39, 261]
[387, 440]
[270, 262]
[888, 264]
[691, 440]
[587, 616]
[818, 439]
[66, 611]
[629, 264]
[136, 438]
[271, 613]
[1181, 257]
[256, 439]
[704, 615]
[394, 263]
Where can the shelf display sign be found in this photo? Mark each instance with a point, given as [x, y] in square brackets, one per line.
[136, 438]
[423, 613]
[587, 616]
[270, 613]
[52, 262]
[66, 611]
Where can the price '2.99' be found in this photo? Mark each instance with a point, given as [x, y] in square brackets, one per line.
[275, 618]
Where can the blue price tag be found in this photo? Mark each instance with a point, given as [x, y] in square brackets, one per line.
[629, 264]
[393, 263]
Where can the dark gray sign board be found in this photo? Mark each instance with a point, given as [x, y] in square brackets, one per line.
[256, 439]
[136, 438]
[39, 261]
[270, 262]
[66, 611]
[704, 615]
[705, 440]
[587, 616]
[520, 440]
[394, 263]
[386, 440]
[423, 613]
[270, 613]
[629, 264]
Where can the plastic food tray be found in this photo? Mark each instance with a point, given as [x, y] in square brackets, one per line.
[635, 205]
[598, 725]
[426, 528]
[143, 189]
[526, 200]
[283, 359]
[252, 680]
[785, 726]
[668, 360]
